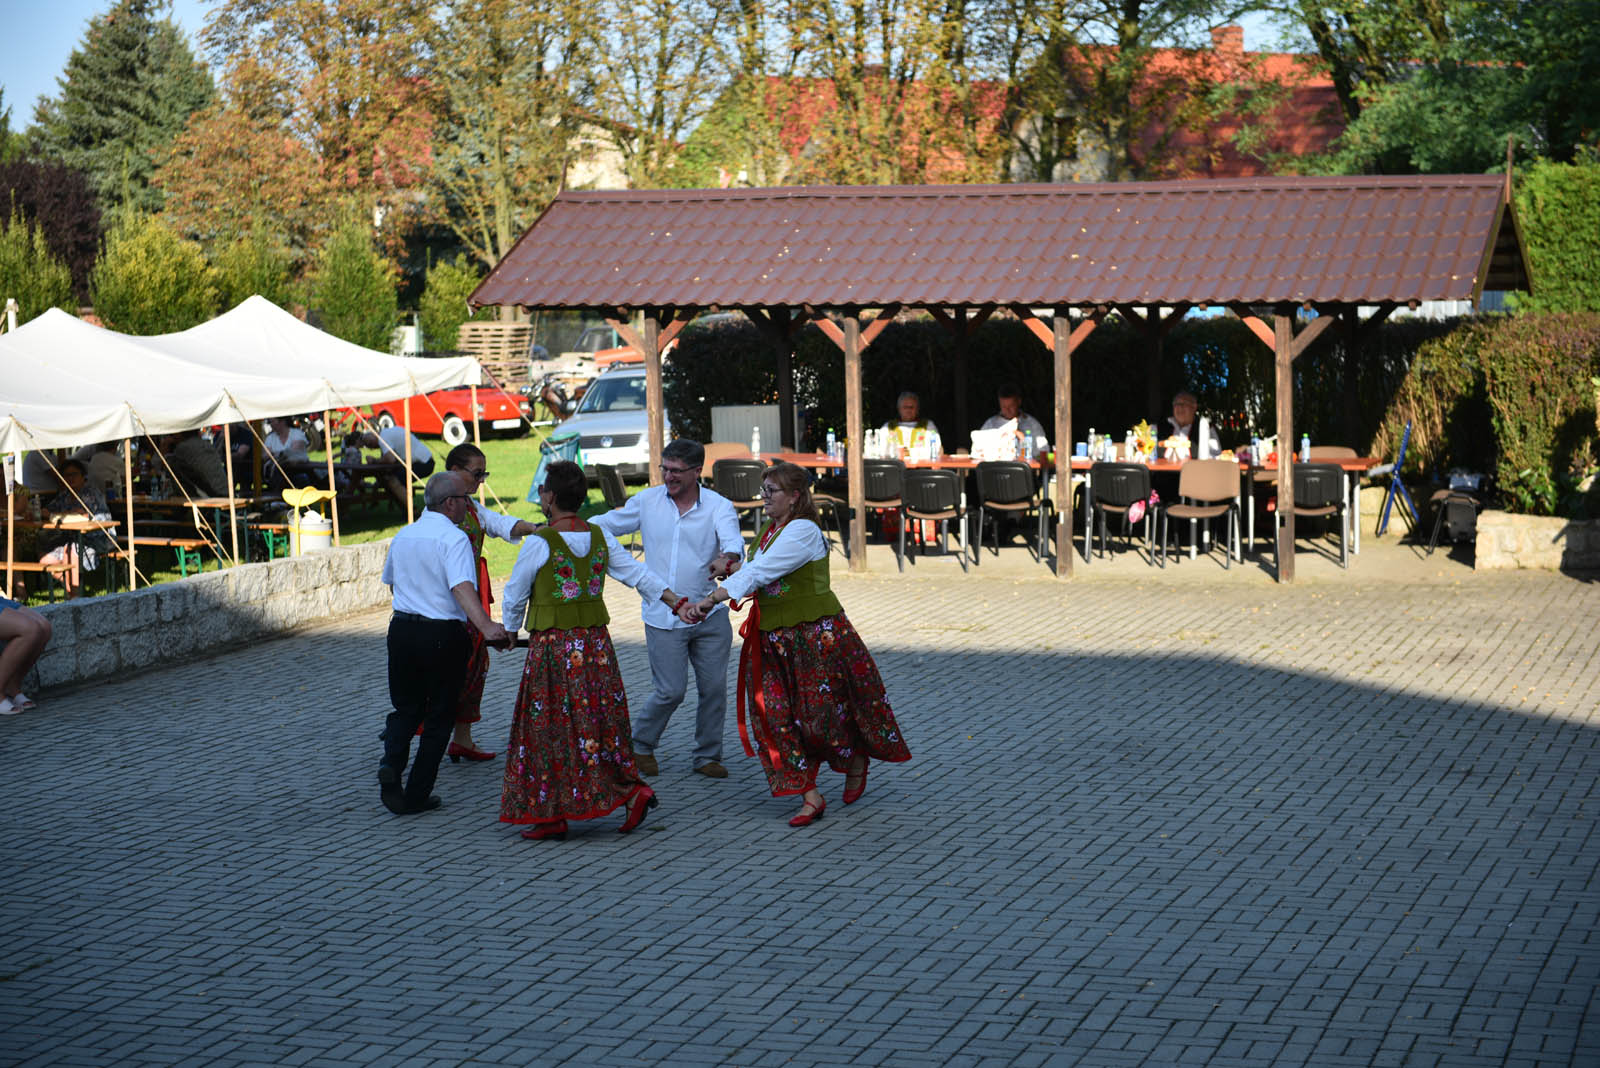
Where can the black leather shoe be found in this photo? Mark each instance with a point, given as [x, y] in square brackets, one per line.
[389, 790]
[429, 805]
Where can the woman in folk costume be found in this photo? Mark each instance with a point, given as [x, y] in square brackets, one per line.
[570, 756]
[478, 522]
[807, 684]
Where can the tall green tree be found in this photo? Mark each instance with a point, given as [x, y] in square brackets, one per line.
[126, 92]
[512, 80]
[1558, 208]
[352, 288]
[151, 281]
[29, 272]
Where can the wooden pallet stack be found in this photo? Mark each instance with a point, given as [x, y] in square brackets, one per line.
[502, 349]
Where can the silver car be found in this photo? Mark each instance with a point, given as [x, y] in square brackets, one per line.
[612, 423]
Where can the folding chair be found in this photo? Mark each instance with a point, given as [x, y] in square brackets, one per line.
[1395, 485]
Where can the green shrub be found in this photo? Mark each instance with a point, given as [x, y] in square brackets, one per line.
[150, 281]
[253, 265]
[352, 288]
[444, 304]
[1537, 370]
[29, 272]
[1558, 207]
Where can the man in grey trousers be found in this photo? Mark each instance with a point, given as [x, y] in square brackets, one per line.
[691, 536]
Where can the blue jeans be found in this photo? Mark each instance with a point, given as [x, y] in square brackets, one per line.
[704, 645]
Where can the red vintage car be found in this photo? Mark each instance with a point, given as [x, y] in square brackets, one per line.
[447, 413]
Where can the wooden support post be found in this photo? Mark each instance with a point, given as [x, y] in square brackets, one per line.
[233, 518]
[855, 469]
[477, 438]
[411, 479]
[1061, 331]
[1283, 361]
[327, 448]
[127, 499]
[654, 399]
[11, 546]
[786, 395]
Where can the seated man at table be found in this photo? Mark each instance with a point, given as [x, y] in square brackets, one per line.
[1010, 399]
[199, 469]
[910, 429]
[391, 445]
[1185, 423]
[104, 465]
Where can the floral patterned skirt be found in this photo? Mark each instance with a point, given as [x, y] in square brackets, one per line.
[824, 703]
[467, 705]
[571, 750]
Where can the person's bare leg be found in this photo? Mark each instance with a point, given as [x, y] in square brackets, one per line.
[26, 633]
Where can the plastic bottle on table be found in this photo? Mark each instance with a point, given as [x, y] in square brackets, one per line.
[833, 445]
[755, 441]
[1305, 448]
[935, 446]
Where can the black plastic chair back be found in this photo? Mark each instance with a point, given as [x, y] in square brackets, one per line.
[930, 492]
[738, 480]
[1318, 486]
[1116, 485]
[1004, 482]
[884, 480]
[611, 487]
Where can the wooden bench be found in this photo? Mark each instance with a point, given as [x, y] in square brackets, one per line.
[187, 550]
[55, 574]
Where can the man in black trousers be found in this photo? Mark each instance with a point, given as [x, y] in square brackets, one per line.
[433, 574]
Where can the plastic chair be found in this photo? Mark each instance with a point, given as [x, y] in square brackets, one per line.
[884, 481]
[721, 450]
[1318, 494]
[831, 496]
[740, 482]
[614, 492]
[1006, 488]
[1455, 513]
[1114, 488]
[562, 445]
[1213, 487]
[1395, 485]
[933, 496]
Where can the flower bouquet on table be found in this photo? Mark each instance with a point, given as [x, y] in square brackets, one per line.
[1144, 438]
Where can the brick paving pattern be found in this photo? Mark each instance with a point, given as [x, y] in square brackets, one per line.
[1153, 818]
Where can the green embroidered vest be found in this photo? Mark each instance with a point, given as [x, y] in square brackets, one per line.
[798, 597]
[567, 591]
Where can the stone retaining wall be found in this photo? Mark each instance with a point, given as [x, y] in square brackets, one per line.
[1506, 542]
[95, 637]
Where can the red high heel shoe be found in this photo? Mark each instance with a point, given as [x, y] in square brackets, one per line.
[457, 751]
[803, 818]
[855, 782]
[641, 799]
[556, 829]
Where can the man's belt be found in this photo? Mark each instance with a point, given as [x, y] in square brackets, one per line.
[412, 617]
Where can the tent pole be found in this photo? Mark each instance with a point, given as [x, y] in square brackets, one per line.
[411, 478]
[127, 498]
[327, 444]
[233, 515]
[11, 582]
[477, 438]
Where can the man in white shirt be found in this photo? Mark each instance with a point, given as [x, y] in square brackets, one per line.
[390, 442]
[1185, 420]
[691, 535]
[431, 570]
[911, 429]
[1010, 400]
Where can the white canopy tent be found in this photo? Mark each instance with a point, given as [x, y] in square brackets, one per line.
[64, 382]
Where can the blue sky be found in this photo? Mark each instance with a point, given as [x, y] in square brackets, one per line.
[41, 34]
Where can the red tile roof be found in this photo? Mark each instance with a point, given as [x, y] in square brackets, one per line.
[1262, 240]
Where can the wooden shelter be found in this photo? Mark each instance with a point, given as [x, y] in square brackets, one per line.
[1060, 257]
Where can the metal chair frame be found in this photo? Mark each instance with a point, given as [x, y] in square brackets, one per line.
[1115, 487]
[1318, 494]
[1001, 491]
[1214, 486]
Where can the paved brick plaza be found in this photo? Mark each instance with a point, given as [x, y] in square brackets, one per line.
[1153, 818]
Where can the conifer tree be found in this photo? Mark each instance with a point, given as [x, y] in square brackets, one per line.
[127, 91]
